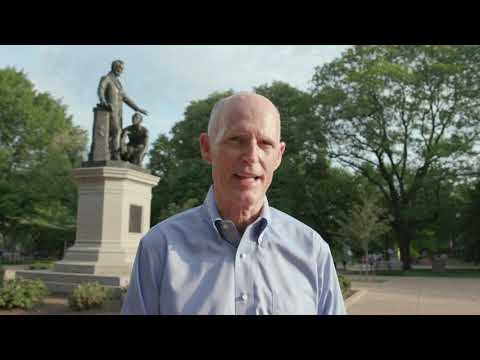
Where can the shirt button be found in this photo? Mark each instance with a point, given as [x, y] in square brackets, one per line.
[243, 255]
[244, 297]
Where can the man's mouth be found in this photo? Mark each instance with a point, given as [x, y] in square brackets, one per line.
[247, 177]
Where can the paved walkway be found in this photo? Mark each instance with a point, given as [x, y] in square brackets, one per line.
[415, 296]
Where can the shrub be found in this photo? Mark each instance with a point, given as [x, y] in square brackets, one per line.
[345, 284]
[414, 254]
[22, 293]
[40, 265]
[2, 274]
[123, 293]
[88, 296]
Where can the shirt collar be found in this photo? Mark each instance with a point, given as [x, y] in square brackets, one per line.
[260, 223]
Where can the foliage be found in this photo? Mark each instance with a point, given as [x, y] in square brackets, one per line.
[345, 284]
[364, 223]
[41, 265]
[174, 208]
[22, 293]
[414, 254]
[470, 238]
[88, 296]
[404, 117]
[37, 141]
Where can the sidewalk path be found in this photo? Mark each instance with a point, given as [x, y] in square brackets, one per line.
[390, 295]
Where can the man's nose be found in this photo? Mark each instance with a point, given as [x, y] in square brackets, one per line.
[251, 153]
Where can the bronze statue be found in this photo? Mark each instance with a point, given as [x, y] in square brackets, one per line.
[134, 151]
[112, 96]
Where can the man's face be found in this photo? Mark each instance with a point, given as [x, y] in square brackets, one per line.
[118, 69]
[245, 152]
[136, 119]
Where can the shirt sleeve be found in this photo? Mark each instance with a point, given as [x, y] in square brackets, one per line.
[330, 298]
[143, 295]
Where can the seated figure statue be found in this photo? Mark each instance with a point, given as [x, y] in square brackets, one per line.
[134, 151]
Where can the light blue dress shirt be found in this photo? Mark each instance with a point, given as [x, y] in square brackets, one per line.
[197, 263]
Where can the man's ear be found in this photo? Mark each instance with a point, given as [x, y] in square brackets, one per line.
[205, 147]
[280, 154]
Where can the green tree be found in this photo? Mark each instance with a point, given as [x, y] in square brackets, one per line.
[39, 146]
[470, 237]
[394, 113]
[441, 202]
[365, 223]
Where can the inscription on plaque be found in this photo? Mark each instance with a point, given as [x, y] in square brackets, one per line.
[135, 225]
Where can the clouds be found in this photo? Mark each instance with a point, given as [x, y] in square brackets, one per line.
[162, 79]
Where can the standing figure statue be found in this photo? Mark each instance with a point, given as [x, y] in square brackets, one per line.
[111, 95]
[134, 151]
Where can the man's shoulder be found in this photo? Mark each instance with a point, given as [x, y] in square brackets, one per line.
[106, 77]
[285, 223]
[280, 218]
[130, 128]
[185, 216]
[187, 219]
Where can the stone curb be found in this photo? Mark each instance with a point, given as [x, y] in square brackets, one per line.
[354, 298]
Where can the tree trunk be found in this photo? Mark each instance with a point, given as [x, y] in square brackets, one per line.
[405, 234]
[405, 253]
[10, 241]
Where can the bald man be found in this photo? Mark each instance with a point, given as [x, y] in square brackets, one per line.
[235, 254]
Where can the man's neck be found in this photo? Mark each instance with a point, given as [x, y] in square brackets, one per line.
[240, 216]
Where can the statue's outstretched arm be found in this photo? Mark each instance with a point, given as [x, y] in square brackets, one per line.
[134, 106]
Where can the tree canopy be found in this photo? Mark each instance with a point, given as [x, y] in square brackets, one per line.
[39, 145]
[395, 113]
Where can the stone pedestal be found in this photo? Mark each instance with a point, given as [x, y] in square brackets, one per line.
[113, 215]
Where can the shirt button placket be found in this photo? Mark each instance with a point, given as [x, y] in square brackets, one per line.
[243, 277]
[244, 297]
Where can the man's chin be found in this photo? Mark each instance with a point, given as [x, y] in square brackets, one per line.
[249, 197]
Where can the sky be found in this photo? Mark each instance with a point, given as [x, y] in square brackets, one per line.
[163, 79]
